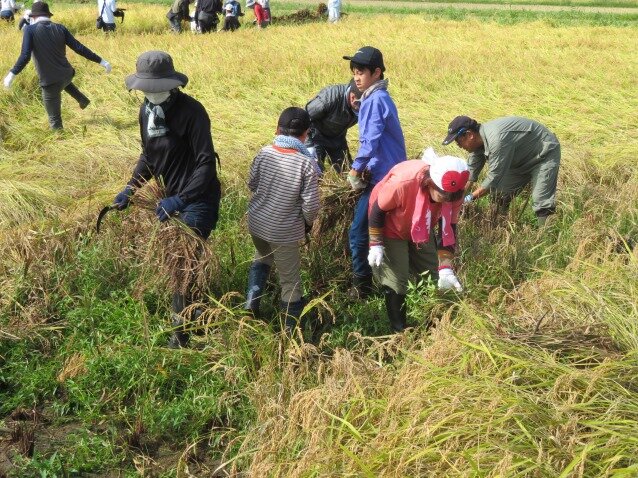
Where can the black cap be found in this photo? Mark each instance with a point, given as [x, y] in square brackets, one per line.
[367, 56]
[460, 125]
[295, 119]
[40, 9]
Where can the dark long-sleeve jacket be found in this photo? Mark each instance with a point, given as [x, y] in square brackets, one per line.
[331, 116]
[47, 42]
[184, 159]
[209, 7]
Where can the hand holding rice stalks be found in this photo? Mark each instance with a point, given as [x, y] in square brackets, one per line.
[179, 253]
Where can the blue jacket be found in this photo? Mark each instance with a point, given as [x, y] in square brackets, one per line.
[380, 136]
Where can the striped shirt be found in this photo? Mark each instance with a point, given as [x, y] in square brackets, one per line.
[285, 195]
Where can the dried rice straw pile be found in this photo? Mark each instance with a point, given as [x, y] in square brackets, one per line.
[179, 254]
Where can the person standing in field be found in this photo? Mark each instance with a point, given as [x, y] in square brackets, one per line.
[405, 207]
[519, 152]
[262, 13]
[25, 20]
[177, 149]
[206, 15]
[8, 8]
[232, 11]
[106, 9]
[334, 11]
[332, 112]
[283, 206]
[381, 147]
[177, 14]
[47, 42]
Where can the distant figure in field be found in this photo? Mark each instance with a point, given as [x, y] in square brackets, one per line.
[25, 20]
[332, 112]
[262, 13]
[8, 8]
[106, 18]
[47, 42]
[177, 149]
[206, 15]
[178, 13]
[519, 152]
[232, 11]
[334, 11]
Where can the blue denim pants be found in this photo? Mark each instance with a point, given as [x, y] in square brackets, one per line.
[359, 239]
[201, 217]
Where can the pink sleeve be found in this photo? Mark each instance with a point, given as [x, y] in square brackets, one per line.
[456, 210]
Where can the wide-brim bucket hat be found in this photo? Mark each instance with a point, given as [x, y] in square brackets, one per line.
[155, 73]
[40, 9]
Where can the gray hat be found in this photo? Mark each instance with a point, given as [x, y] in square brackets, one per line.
[155, 73]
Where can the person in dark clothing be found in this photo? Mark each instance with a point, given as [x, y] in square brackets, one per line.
[332, 112]
[232, 12]
[178, 14]
[47, 41]
[206, 15]
[178, 148]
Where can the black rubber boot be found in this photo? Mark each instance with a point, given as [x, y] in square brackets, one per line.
[361, 287]
[395, 306]
[292, 314]
[179, 338]
[257, 277]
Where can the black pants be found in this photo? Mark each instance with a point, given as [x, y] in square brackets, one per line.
[231, 23]
[207, 23]
[337, 156]
[108, 27]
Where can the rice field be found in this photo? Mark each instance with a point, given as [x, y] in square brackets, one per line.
[532, 372]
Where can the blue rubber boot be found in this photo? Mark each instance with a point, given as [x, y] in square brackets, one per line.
[257, 277]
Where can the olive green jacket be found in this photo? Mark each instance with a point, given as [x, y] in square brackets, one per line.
[511, 146]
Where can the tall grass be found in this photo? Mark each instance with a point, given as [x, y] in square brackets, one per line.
[532, 372]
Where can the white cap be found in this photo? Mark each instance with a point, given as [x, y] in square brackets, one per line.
[449, 173]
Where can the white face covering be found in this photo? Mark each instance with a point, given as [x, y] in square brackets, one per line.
[157, 98]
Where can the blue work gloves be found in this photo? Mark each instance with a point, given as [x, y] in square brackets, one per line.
[169, 206]
[123, 198]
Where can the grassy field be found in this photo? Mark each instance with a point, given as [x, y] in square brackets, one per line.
[533, 371]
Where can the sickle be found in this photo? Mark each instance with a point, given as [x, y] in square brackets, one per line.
[103, 213]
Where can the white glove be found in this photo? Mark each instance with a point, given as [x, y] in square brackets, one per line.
[448, 280]
[375, 256]
[356, 182]
[8, 80]
[106, 65]
[467, 199]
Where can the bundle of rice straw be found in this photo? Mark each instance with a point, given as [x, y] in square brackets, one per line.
[335, 216]
[180, 254]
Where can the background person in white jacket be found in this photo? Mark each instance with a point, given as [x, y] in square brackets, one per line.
[105, 10]
[334, 11]
[8, 8]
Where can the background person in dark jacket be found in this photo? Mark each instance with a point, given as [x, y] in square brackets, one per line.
[206, 15]
[332, 112]
[47, 42]
[178, 148]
